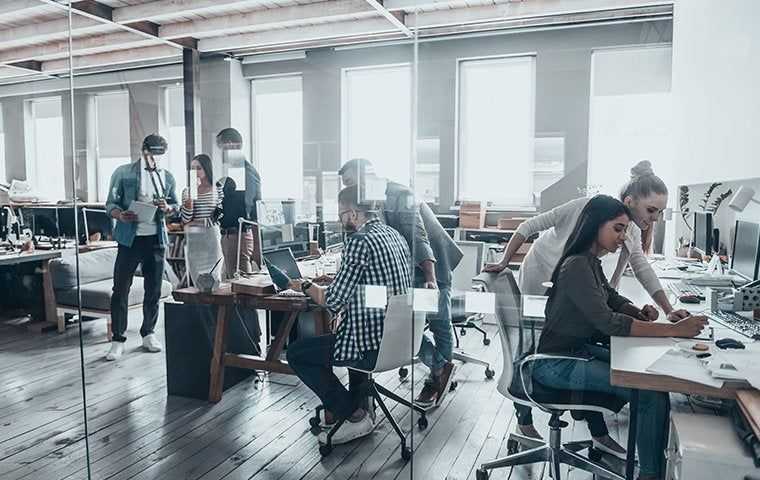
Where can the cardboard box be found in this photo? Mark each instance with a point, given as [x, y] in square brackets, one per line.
[472, 215]
[510, 223]
[256, 285]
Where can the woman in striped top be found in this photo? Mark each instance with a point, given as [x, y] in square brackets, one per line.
[203, 240]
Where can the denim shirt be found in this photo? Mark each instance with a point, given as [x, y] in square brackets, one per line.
[124, 189]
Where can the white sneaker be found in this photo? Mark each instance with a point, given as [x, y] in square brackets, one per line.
[151, 343]
[350, 431]
[116, 351]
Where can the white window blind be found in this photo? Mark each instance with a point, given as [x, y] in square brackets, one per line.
[376, 118]
[3, 171]
[174, 133]
[44, 148]
[278, 135]
[112, 137]
[631, 115]
[496, 130]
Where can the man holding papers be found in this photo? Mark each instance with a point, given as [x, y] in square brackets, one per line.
[140, 196]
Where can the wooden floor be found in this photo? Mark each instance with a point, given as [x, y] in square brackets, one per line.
[258, 431]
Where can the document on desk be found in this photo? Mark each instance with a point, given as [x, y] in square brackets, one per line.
[145, 211]
[736, 365]
[686, 367]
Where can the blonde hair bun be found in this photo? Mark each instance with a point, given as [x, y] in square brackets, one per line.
[642, 169]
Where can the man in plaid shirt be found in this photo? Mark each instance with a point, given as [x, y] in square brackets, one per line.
[375, 255]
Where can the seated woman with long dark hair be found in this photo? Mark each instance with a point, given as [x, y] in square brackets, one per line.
[583, 310]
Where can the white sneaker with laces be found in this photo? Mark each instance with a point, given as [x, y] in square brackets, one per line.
[151, 343]
[116, 351]
[612, 449]
[350, 431]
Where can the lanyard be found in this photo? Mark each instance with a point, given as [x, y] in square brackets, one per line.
[153, 180]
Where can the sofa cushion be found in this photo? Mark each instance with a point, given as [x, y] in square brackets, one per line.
[97, 295]
[94, 266]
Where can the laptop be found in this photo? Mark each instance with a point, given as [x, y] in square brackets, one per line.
[284, 260]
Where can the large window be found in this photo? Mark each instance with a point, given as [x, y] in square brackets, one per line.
[44, 148]
[631, 115]
[3, 172]
[376, 118]
[173, 129]
[111, 130]
[496, 130]
[277, 114]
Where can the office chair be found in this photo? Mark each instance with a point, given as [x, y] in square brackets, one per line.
[396, 350]
[516, 384]
[463, 276]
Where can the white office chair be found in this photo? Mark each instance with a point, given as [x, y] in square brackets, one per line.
[516, 384]
[402, 337]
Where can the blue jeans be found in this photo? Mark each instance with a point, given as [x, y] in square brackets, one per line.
[311, 358]
[594, 376]
[437, 352]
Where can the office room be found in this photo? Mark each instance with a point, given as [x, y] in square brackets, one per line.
[360, 239]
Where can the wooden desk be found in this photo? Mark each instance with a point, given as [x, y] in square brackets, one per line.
[48, 294]
[225, 299]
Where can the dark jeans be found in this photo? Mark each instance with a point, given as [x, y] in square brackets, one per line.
[594, 376]
[312, 360]
[147, 252]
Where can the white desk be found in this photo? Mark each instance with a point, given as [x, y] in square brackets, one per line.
[630, 357]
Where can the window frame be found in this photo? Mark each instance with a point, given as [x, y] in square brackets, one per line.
[528, 207]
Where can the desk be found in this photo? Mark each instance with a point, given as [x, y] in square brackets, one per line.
[224, 299]
[48, 294]
[630, 357]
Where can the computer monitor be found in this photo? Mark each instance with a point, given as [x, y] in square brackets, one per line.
[703, 227]
[745, 253]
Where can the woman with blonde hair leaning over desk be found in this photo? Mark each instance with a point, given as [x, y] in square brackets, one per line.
[646, 196]
[583, 311]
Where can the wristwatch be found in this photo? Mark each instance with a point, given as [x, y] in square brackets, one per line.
[306, 285]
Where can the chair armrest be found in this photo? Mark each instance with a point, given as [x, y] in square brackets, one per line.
[536, 357]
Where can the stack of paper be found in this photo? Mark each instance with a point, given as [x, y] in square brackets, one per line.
[675, 363]
[736, 365]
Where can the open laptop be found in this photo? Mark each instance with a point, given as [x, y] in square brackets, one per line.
[284, 261]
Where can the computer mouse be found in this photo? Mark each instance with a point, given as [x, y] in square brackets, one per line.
[725, 343]
[689, 299]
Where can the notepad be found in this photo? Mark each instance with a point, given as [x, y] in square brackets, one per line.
[145, 212]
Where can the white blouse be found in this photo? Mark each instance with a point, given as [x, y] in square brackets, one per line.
[557, 224]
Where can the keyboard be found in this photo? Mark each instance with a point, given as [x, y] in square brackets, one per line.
[738, 323]
[290, 293]
[682, 288]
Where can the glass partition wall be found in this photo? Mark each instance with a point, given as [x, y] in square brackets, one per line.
[185, 168]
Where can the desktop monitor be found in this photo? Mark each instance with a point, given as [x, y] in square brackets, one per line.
[746, 249]
[703, 227]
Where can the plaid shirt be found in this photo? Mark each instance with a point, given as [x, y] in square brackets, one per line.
[375, 255]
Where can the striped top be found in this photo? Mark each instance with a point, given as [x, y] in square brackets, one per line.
[203, 206]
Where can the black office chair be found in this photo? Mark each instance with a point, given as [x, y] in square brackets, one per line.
[516, 384]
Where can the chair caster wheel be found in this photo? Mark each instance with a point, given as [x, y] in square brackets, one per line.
[422, 423]
[486, 341]
[453, 386]
[463, 332]
[325, 450]
[513, 446]
[595, 454]
[402, 373]
[489, 373]
[314, 421]
[406, 453]
[481, 474]
[315, 430]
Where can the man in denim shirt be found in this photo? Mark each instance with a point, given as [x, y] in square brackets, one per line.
[140, 243]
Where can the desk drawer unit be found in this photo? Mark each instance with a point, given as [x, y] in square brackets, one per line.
[705, 447]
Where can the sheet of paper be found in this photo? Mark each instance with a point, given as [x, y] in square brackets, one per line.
[425, 300]
[676, 364]
[145, 211]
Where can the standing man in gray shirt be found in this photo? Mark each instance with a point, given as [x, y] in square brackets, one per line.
[435, 254]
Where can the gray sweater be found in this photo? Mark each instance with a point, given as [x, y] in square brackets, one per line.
[583, 308]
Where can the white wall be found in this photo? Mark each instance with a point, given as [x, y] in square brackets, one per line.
[716, 73]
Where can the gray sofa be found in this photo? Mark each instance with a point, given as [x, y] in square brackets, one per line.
[96, 280]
